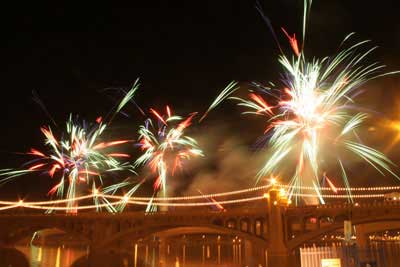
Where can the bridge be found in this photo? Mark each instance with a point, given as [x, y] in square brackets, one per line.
[272, 229]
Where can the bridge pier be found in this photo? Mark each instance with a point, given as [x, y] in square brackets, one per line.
[162, 256]
[362, 242]
[248, 253]
[278, 253]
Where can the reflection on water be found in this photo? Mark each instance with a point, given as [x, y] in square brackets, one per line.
[50, 256]
[179, 254]
[179, 251]
[377, 254]
[386, 254]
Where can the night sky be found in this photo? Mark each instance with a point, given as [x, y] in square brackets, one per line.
[184, 54]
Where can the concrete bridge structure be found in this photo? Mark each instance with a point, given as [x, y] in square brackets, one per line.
[275, 228]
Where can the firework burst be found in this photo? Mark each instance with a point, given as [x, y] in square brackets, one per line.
[78, 160]
[165, 147]
[313, 117]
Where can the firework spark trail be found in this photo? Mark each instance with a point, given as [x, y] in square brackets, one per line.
[228, 90]
[218, 206]
[165, 147]
[76, 159]
[312, 111]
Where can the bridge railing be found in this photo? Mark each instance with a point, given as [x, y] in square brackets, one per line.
[391, 203]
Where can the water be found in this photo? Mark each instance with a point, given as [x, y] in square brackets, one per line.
[386, 254]
[51, 256]
[186, 251]
[380, 254]
[377, 254]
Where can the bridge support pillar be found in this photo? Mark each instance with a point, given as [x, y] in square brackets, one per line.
[97, 232]
[162, 252]
[278, 254]
[362, 242]
[248, 253]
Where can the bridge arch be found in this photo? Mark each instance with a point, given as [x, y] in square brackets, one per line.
[170, 229]
[13, 232]
[231, 223]
[260, 226]
[338, 224]
[341, 218]
[218, 221]
[105, 248]
[325, 220]
[310, 223]
[245, 225]
[29, 232]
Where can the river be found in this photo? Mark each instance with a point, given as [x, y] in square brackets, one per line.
[384, 254]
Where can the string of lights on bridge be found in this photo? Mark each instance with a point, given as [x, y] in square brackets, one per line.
[380, 188]
[121, 200]
[190, 201]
